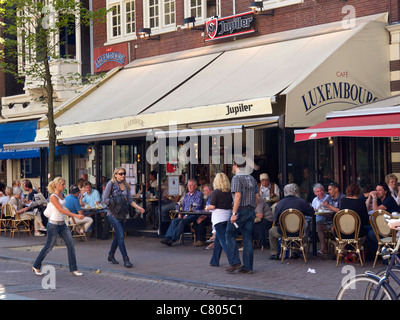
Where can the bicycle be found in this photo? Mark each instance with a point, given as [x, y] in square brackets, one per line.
[371, 286]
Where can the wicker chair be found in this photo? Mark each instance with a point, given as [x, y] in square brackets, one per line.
[15, 224]
[347, 222]
[77, 230]
[6, 217]
[292, 223]
[385, 236]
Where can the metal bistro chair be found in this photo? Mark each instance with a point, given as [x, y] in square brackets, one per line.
[6, 217]
[347, 222]
[385, 236]
[15, 223]
[77, 230]
[292, 223]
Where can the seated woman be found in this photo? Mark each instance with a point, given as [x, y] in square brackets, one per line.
[24, 214]
[353, 202]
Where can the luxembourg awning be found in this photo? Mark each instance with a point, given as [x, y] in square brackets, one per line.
[236, 81]
[18, 132]
[373, 124]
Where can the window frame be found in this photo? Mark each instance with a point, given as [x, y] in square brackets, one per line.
[203, 18]
[162, 26]
[124, 35]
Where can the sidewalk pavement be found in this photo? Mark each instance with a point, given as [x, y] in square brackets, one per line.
[317, 279]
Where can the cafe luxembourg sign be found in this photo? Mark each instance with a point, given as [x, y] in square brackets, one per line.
[231, 26]
[336, 92]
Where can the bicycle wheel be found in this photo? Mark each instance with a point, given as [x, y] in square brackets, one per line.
[362, 287]
[395, 286]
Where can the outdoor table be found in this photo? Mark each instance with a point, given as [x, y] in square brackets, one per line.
[96, 212]
[314, 227]
[199, 213]
[271, 200]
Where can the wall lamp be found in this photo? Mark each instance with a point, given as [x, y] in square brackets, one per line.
[12, 104]
[145, 33]
[257, 7]
[189, 23]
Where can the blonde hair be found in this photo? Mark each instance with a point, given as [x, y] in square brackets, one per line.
[113, 179]
[221, 182]
[54, 184]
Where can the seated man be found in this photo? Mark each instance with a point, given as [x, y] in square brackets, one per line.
[262, 223]
[178, 225]
[27, 186]
[91, 196]
[24, 214]
[291, 200]
[332, 203]
[268, 189]
[73, 205]
[169, 202]
[202, 222]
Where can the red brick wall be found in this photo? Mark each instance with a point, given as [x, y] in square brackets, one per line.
[309, 13]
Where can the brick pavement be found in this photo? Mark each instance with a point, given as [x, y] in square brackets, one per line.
[189, 265]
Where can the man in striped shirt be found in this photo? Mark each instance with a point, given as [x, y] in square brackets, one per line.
[246, 196]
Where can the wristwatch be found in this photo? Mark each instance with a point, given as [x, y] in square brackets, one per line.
[234, 213]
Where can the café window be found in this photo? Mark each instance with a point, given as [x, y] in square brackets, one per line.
[121, 20]
[202, 9]
[159, 15]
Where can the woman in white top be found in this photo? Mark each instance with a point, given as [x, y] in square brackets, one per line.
[56, 226]
[221, 207]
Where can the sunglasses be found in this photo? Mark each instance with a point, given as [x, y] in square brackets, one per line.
[121, 173]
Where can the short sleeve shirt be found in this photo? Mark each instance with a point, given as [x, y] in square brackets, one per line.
[246, 185]
[72, 204]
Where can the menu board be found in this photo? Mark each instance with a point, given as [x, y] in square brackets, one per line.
[131, 175]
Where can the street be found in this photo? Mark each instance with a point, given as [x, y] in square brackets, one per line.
[177, 273]
[17, 281]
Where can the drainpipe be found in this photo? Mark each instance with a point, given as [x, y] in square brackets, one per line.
[91, 39]
[234, 6]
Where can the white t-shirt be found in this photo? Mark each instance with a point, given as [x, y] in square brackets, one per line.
[55, 214]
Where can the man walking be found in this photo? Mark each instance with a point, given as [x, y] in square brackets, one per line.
[246, 196]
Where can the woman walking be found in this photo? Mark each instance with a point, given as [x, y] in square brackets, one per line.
[117, 197]
[56, 226]
[221, 207]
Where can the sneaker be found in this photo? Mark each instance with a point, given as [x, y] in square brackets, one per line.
[234, 267]
[199, 243]
[273, 257]
[39, 234]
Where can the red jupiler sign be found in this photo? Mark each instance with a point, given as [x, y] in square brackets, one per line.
[219, 28]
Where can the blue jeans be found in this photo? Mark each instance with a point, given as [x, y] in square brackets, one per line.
[177, 226]
[119, 238]
[245, 220]
[53, 230]
[219, 243]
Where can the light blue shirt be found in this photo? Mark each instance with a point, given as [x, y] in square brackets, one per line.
[91, 198]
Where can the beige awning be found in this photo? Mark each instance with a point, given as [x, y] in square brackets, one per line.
[234, 81]
[355, 71]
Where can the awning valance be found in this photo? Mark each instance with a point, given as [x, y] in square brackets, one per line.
[18, 132]
[379, 119]
[385, 125]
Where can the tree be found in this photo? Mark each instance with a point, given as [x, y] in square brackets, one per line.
[34, 31]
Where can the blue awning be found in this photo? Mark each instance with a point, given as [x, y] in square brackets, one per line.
[18, 132]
